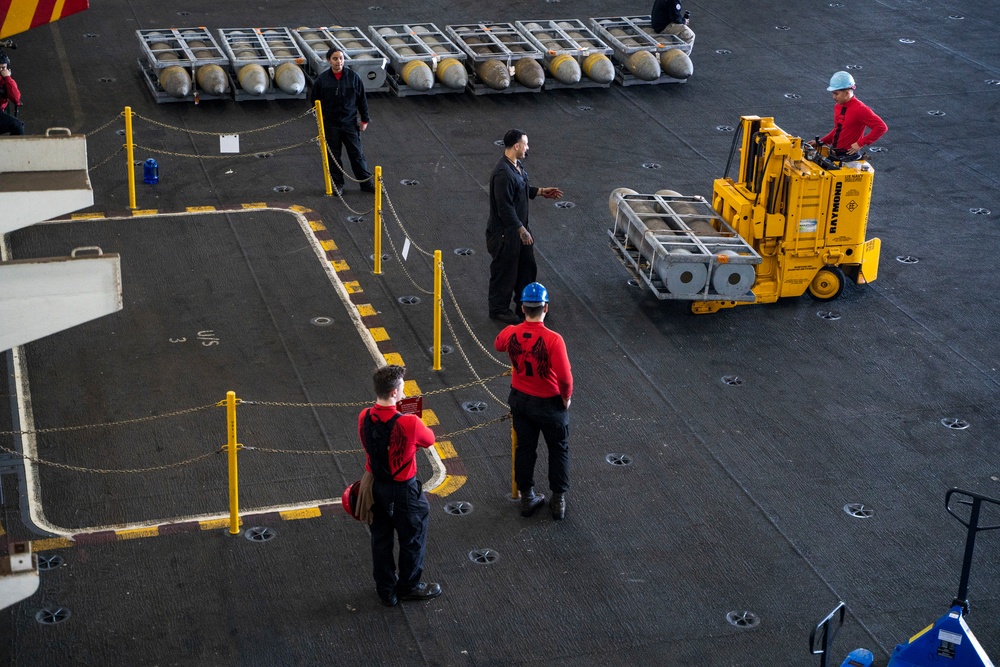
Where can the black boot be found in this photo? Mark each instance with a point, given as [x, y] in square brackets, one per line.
[530, 501]
[558, 506]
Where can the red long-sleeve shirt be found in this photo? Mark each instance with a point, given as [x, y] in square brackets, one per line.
[852, 118]
[407, 434]
[538, 355]
[9, 93]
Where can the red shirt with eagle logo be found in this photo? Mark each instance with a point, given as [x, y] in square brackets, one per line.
[538, 355]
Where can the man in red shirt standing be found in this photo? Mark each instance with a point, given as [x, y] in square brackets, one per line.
[540, 392]
[390, 440]
[850, 118]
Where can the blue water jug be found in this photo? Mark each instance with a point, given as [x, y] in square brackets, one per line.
[150, 171]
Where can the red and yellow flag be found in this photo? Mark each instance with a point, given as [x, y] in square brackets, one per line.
[20, 15]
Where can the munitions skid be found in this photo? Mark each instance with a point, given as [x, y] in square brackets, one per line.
[423, 60]
[627, 36]
[681, 248]
[186, 48]
[490, 46]
[568, 40]
[360, 54]
[266, 63]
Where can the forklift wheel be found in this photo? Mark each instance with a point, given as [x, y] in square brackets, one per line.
[828, 284]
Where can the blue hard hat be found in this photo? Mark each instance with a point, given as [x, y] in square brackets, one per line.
[534, 293]
[840, 81]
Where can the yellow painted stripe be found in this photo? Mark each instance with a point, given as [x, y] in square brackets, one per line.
[258, 204]
[392, 358]
[51, 543]
[445, 449]
[317, 226]
[145, 211]
[299, 209]
[411, 388]
[430, 418]
[379, 334]
[199, 209]
[451, 484]
[86, 216]
[366, 310]
[57, 10]
[18, 17]
[353, 287]
[133, 533]
[212, 524]
[340, 265]
[328, 245]
[305, 513]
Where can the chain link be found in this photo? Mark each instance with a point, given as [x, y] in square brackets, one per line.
[336, 161]
[402, 264]
[228, 156]
[399, 222]
[92, 133]
[466, 357]
[107, 159]
[123, 422]
[310, 111]
[468, 327]
[106, 471]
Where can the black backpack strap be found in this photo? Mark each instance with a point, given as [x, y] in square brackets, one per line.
[840, 126]
[378, 438]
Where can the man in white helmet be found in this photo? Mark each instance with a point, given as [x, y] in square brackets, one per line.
[851, 117]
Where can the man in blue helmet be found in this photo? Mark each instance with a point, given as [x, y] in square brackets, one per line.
[507, 237]
[851, 117]
[540, 391]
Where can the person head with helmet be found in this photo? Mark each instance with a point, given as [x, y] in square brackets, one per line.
[534, 302]
[851, 118]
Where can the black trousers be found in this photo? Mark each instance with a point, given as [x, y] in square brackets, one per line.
[401, 510]
[531, 416]
[512, 268]
[339, 137]
[9, 124]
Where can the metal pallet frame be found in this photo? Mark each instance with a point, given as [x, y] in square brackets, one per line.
[635, 27]
[493, 35]
[559, 43]
[179, 39]
[412, 39]
[369, 63]
[261, 41]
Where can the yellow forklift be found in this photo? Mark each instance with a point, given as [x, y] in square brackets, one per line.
[793, 220]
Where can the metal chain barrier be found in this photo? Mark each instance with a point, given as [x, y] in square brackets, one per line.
[228, 156]
[107, 471]
[402, 264]
[468, 327]
[308, 112]
[399, 222]
[92, 133]
[466, 357]
[340, 196]
[123, 422]
[107, 159]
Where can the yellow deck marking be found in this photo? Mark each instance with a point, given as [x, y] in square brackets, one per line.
[317, 226]
[353, 287]
[445, 449]
[200, 209]
[411, 388]
[379, 334]
[86, 216]
[430, 418]
[298, 209]
[51, 543]
[304, 513]
[212, 524]
[340, 265]
[133, 533]
[451, 484]
[394, 359]
[366, 310]
[145, 211]
[257, 204]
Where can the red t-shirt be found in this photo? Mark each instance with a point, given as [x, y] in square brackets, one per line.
[538, 355]
[852, 118]
[407, 434]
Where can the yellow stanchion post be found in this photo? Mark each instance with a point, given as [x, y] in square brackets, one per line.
[513, 452]
[322, 149]
[130, 156]
[231, 447]
[438, 266]
[378, 220]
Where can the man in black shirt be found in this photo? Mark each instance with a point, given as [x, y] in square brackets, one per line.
[345, 115]
[667, 18]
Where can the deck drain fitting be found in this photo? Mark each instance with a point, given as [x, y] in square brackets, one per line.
[283, 188]
[445, 349]
[724, 128]
[723, 52]
[498, 142]
[374, 8]
[935, 112]
[138, 163]
[828, 315]
[260, 534]
[120, 133]
[907, 40]
[853, 67]
[484, 556]
[979, 211]
[650, 165]
[792, 96]
[107, 79]
[385, 258]
[837, 5]
[458, 508]
[183, 13]
[955, 424]
[474, 406]
[956, 17]
[464, 252]
[355, 218]
[878, 149]
[52, 615]
[90, 35]
[322, 321]
[263, 155]
[409, 300]
[859, 511]
[50, 561]
[743, 619]
[409, 181]
[907, 259]
[782, 27]
[565, 204]
[585, 108]
[993, 82]
[633, 282]
[732, 380]
[618, 459]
